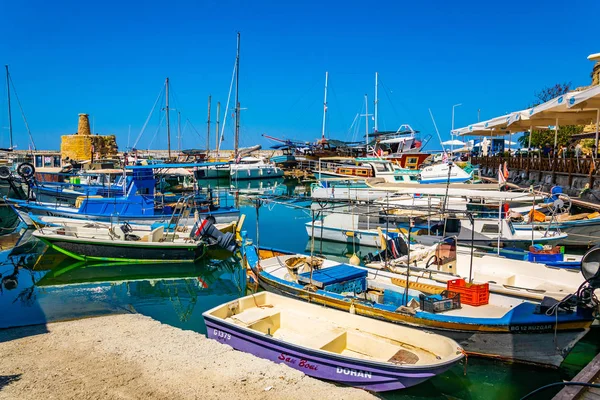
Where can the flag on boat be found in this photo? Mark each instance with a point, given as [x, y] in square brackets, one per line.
[444, 157]
[505, 170]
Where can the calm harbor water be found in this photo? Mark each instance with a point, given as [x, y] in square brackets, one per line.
[39, 286]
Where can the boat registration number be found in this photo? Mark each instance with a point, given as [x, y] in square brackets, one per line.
[531, 328]
[221, 334]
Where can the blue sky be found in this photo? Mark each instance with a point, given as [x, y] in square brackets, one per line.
[109, 59]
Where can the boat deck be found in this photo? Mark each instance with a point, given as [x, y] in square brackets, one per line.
[316, 332]
[498, 306]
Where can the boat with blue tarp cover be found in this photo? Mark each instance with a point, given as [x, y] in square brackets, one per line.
[137, 206]
[506, 328]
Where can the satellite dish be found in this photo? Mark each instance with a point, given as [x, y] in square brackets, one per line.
[590, 266]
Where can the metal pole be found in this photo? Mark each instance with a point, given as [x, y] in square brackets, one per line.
[376, 102]
[410, 224]
[452, 131]
[499, 225]
[168, 121]
[366, 122]
[555, 136]
[10, 129]
[237, 99]
[470, 215]
[597, 123]
[208, 128]
[324, 108]
[178, 130]
[217, 132]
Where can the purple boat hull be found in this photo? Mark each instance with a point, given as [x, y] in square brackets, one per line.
[322, 365]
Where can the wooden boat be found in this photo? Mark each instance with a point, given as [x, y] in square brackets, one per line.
[506, 328]
[140, 244]
[329, 344]
[362, 168]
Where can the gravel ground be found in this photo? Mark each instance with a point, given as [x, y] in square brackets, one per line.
[135, 357]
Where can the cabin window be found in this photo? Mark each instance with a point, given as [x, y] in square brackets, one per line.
[380, 167]
[490, 228]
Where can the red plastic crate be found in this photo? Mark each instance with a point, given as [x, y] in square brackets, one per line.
[470, 293]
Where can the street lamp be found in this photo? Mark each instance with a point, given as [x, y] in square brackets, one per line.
[452, 131]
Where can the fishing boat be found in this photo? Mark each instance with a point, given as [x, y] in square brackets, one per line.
[358, 168]
[501, 327]
[137, 206]
[125, 243]
[329, 344]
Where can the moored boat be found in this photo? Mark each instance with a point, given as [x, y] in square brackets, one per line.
[506, 328]
[329, 344]
[140, 244]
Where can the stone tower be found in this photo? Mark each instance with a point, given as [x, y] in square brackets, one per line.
[84, 146]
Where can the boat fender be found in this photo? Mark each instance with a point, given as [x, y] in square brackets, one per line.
[5, 172]
[206, 229]
[26, 170]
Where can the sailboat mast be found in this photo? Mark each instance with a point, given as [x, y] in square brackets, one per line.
[168, 121]
[237, 99]
[178, 130]
[217, 131]
[324, 107]
[366, 120]
[208, 127]
[376, 102]
[10, 129]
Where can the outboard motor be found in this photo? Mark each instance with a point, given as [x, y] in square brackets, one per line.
[590, 268]
[206, 229]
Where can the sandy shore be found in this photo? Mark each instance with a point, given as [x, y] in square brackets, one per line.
[135, 357]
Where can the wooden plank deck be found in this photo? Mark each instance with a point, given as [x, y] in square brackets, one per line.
[590, 374]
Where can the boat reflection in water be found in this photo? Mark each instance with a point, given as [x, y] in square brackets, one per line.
[52, 287]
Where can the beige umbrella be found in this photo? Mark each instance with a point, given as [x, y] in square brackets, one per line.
[559, 110]
[586, 101]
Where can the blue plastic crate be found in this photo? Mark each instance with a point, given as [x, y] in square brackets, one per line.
[542, 258]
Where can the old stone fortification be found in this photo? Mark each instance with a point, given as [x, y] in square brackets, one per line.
[83, 145]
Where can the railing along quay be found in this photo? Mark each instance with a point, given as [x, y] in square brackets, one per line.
[570, 167]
